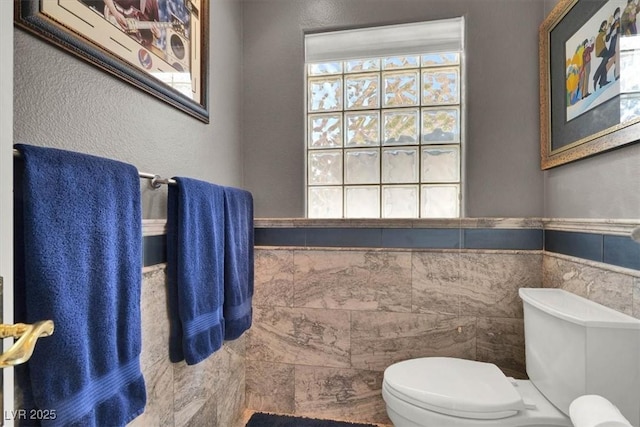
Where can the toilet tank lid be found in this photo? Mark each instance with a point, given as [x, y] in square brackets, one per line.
[576, 309]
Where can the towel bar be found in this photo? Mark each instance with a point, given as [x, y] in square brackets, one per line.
[28, 335]
[155, 180]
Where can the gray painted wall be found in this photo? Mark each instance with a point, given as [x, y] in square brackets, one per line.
[604, 186]
[503, 177]
[61, 101]
[6, 190]
[64, 102]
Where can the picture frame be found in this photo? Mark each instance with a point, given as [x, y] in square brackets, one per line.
[162, 49]
[589, 83]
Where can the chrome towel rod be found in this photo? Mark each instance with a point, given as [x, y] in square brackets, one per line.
[155, 180]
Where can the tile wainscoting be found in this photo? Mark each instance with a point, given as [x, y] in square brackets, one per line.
[338, 301]
[327, 322]
[595, 259]
[605, 242]
[210, 393]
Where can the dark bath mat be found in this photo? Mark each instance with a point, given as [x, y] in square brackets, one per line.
[260, 419]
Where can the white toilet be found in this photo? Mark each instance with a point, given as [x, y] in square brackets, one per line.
[574, 347]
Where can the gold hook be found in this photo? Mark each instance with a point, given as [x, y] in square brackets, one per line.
[22, 349]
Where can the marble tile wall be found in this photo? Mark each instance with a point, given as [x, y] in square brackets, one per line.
[615, 287]
[327, 322]
[210, 393]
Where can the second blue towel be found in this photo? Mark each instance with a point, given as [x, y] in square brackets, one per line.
[238, 261]
[195, 266]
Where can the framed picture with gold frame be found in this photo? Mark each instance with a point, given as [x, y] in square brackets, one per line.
[589, 79]
[159, 46]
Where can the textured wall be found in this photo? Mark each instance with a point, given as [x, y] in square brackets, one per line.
[604, 186]
[502, 172]
[328, 322]
[64, 102]
[6, 175]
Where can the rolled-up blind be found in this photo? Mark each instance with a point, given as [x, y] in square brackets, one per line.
[444, 35]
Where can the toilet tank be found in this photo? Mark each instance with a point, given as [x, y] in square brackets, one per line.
[575, 346]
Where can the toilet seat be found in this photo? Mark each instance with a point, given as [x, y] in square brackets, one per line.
[456, 387]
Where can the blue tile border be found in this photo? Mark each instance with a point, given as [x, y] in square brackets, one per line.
[489, 238]
[279, 237]
[406, 238]
[615, 250]
[154, 250]
[621, 251]
[581, 245]
[344, 237]
[433, 238]
[610, 249]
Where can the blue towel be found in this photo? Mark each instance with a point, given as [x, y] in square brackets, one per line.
[238, 261]
[79, 263]
[195, 267]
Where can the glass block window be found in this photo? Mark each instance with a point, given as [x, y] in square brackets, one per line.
[384, 118]
[384, 137]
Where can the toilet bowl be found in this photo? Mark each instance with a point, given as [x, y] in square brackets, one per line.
[449, 392]
[574, 347]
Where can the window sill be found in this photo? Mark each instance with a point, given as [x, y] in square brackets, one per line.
[509, 223]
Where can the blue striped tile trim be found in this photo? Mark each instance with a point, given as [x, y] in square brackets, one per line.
[615, 250]
[434, 238]
[154, 250]
[279, 237]
[408, 238]
[581, 245]
[622, 251]
[344, 237]
[490, 238]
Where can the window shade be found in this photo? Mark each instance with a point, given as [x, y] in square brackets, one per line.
[406, 39]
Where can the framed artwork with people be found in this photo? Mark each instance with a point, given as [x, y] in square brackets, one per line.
[159, 46]
[589, 79]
